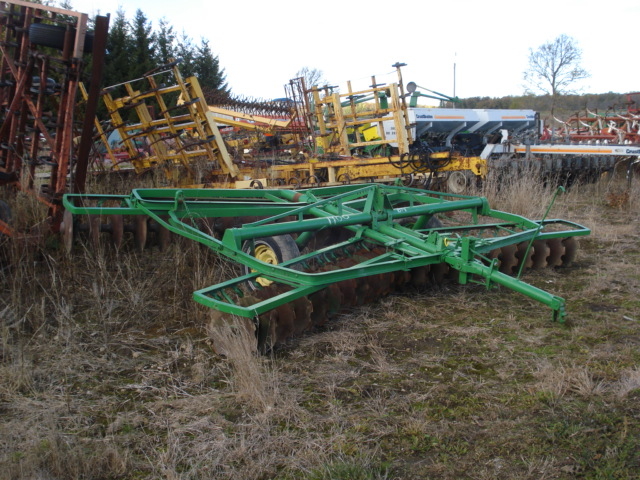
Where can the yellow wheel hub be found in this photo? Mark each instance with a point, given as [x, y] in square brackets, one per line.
[265, 254]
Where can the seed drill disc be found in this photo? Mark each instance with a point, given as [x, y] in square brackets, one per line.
[508, 259]
[348, 287]
[94, 231]
[570, 250]
[117, 230]
[285, 323]
[493, 254]
[522, 251]
[556, 252]
[267, 330]
[438, 272]
[365, 291]
[319, 302]
[303, 308]
[385, 285]
[164, 237]
[349, 294]
[541, 252]
[140, 231]
[401, 278]
[334, 298]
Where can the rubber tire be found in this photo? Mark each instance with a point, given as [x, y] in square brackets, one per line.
[284, 247]
[53, 36]
[458, 182]
[433, 222]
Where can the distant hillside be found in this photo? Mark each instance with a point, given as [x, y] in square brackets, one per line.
[567, 105]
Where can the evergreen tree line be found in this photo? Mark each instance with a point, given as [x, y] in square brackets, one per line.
[566, 105]
[135, 48]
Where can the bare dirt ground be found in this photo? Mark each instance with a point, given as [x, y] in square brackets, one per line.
[107, 372]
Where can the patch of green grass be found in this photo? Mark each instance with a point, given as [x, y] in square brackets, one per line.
[343, 469]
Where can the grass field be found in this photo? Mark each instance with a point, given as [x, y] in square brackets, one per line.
[107, 370]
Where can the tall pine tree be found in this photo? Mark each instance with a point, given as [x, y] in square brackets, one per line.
[118, 59]
[142, 58]
[207, 69]
[185, 51]
[165, 40]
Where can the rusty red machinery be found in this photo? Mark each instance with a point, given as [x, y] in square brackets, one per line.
[44, 52]
[615, 126]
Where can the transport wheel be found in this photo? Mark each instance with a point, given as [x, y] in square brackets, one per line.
[457, 182]
[312, 181]
[434, 222]
[53, 36]
[271, 250]
[294, 182]
[410, 222]
[344, 179]
[408, 180]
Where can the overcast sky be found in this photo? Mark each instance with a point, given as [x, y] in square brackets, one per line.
[262, 44]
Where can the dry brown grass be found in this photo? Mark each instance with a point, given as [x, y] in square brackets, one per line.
[520, 193]
[107, 371]
[252, 379]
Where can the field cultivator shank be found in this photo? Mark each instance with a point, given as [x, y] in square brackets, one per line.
[315, 252]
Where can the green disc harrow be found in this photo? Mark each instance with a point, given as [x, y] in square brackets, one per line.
[309, 253]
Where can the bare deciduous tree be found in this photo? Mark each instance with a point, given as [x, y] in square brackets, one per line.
[554, 67]
[312, 77]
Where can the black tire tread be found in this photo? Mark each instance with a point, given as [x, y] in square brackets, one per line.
[53, 36]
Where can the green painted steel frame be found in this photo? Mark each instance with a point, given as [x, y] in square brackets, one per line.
[371, 212]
